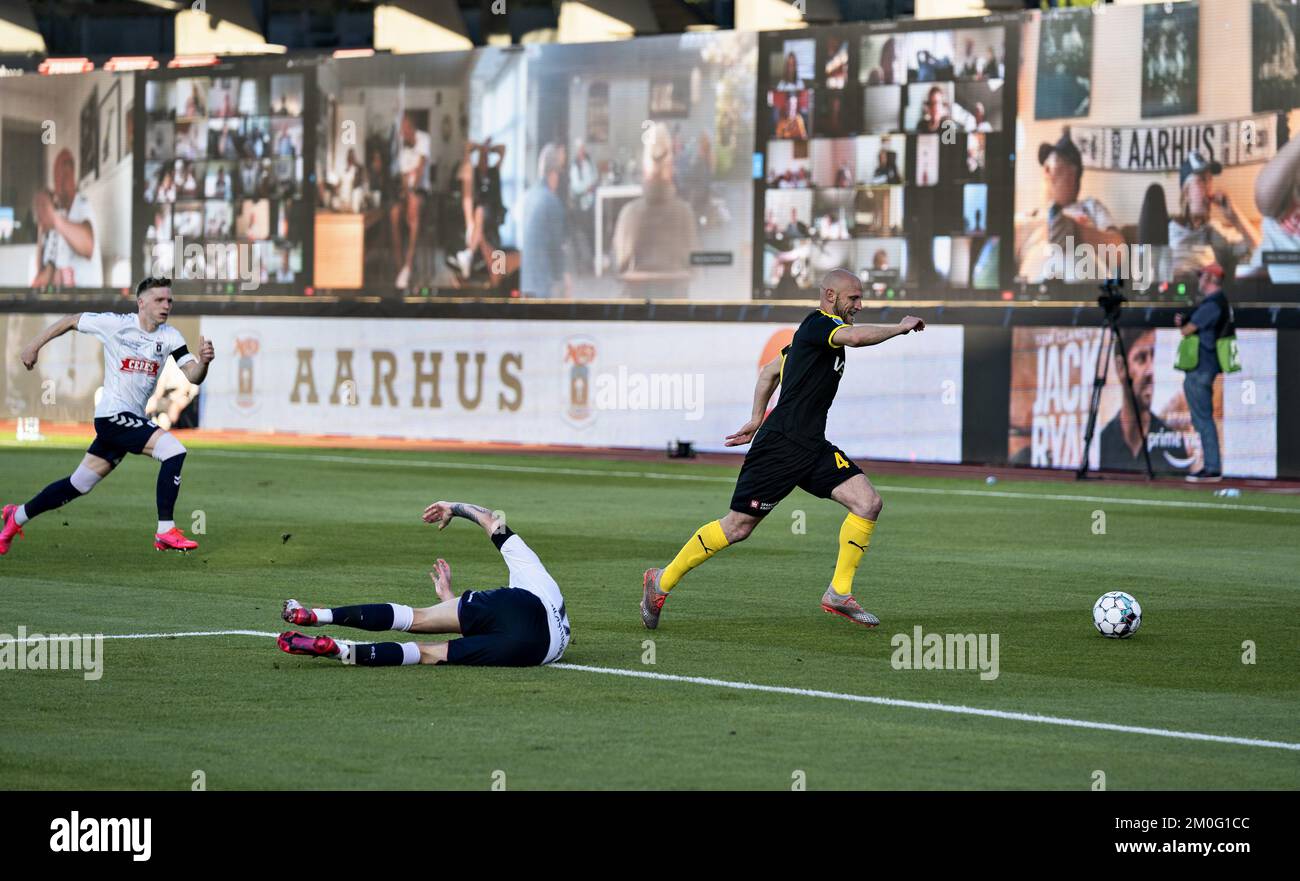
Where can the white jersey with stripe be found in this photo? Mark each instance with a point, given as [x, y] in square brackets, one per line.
[133, 359]
[528, 573]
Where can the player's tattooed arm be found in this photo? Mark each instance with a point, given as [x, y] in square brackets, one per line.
[443, 513]
[32, 350]
[857, 335]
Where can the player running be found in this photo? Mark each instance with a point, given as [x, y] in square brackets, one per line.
[790, 449]
[522, 625]
[135, 349]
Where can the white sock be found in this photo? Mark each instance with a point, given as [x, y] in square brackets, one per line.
[410, 653]
[403, 617]
[20, 516]
[165, 525]
[345, 651]
[324, 616]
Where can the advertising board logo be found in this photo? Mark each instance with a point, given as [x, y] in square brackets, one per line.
[579, 355]
[247, 346]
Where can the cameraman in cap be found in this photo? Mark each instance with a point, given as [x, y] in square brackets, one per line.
[1211, 319]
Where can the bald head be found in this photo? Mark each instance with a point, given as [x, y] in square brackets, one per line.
[841, 294]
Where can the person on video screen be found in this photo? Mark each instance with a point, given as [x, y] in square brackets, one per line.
[791, 125]
[483, 208]
[655, 233]
[1196, 238]
[543, 272]
[935, 112]
[1277, 196]
[414, 158]
[1067, 220]
[883, 73]
[66, 236]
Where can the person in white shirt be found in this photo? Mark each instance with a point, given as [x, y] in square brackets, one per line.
[583, 180]
[1277, 196]
[135, 349]
[414, 158]
[1067, 217]
[1197, 239]
[67, 239]
[522, 625]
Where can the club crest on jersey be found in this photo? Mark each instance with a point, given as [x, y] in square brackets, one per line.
[140, 365]
[157, 348]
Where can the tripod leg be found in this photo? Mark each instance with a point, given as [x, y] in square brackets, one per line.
[1099, 375]
[1132, 399]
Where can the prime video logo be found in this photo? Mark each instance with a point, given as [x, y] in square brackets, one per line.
[215, 261]
[625, 390]
[1083, 262]
[59, 651]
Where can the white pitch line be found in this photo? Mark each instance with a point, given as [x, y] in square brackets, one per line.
[710, 478]
[58, 637]
[936, 707]
[800, 692]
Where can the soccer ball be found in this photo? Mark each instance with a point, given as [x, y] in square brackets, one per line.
[1117, 615]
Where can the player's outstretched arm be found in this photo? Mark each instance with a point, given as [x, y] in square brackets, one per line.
[768, 379]
[196, 371]
[32, 350]
[443, 513]
[857, 335]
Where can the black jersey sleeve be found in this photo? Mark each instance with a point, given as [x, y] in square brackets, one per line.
[818, 330]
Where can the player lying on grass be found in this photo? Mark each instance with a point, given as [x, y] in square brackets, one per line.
[135, 349]
[790, 449]
[522, 625]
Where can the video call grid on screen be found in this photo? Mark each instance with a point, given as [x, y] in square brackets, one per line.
[887, 151]
[223, 203]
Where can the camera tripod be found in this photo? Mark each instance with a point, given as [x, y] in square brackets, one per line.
[1111, 301]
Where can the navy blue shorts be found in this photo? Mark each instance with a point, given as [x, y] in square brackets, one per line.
[506, 627]
[115, 436]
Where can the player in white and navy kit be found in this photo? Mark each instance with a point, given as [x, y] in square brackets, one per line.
[135, 349]
[522, 625]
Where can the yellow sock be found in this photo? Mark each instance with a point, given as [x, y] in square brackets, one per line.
[707, 541]
[855, 536]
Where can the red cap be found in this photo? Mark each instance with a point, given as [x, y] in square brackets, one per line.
[1213, 269]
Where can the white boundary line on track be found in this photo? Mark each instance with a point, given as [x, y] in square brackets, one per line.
[713, 478]
[804, 692]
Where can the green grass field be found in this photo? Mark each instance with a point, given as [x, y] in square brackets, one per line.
[950, 556]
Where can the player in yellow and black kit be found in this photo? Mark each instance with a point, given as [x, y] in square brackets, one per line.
[790, 449]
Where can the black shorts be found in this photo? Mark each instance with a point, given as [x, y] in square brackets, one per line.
[775, 465]
[115, 436]
[500, 628]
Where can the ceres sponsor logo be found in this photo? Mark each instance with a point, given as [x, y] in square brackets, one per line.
[579, 355]
[247, 345]
[140, 365]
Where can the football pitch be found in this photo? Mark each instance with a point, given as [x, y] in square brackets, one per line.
[1205, 695]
